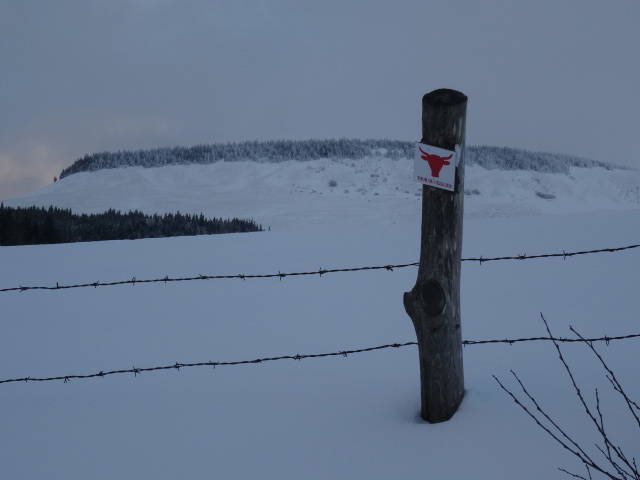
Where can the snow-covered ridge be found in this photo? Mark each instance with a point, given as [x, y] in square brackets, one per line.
[372, 190]
[304, 150]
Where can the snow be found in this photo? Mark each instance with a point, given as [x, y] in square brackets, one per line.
[316, 418]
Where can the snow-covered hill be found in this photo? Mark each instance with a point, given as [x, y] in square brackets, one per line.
[292, 194]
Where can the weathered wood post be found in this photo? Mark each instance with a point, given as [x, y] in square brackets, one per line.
[434, 302]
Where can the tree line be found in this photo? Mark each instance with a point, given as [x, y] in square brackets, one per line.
[303, 150]
[38, 225]
[261, 151]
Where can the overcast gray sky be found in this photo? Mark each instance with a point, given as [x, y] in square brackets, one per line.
[81, 76]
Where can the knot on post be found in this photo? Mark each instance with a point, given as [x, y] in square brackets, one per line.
[426, 304]
[433, 297]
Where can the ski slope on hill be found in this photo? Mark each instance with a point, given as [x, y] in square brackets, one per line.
[292, 194]
[354, 417]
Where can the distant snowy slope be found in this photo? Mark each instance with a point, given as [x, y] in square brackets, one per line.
[378, 188]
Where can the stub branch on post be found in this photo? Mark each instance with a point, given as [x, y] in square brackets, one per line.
[434, 302]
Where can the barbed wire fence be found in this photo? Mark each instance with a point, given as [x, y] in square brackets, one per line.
[320, 272]
[342, 353]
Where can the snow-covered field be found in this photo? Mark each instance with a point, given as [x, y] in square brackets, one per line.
[317, 418]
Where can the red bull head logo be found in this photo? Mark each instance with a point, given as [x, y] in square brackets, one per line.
[435, 162]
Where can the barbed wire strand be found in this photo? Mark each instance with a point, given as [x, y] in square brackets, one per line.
[133, 281]
[343, 353]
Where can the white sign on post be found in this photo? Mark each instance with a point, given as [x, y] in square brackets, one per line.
[435, 166]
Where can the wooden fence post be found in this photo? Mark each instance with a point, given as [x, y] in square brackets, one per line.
[434, 302]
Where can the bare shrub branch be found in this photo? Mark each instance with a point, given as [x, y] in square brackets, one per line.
[616, 465]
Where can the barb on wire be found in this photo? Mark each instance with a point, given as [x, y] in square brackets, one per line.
[320, 272]
[343, 353]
